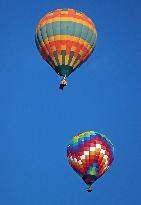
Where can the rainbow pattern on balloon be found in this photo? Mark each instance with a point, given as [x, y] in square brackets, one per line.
[90, 154]
[65, 38]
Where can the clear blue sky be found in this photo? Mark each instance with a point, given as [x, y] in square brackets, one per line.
[37, 121]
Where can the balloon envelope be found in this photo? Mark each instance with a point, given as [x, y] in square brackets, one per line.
[65, 38]
[90, 154]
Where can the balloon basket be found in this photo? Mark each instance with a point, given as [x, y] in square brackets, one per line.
[89, 189]
[63, 83]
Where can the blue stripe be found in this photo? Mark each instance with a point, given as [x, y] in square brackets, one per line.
[67, 28]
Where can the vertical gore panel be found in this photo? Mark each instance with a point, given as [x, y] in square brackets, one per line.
[56, 57]
[76, 60]
[49, 29]
[43, 32]
[70, 57]
[63, 57]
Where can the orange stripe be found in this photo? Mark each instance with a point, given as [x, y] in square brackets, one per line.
[83, 57]
[59, 15]
[43, 49]
[79, 47]
[58, 47]
[49, 47]
[44, 55]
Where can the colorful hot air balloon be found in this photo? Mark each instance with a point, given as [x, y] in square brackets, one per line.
[90, 154]
[65, 38]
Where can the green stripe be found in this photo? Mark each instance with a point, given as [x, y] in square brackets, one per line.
[63, 53]
[65, 9]
[49, 60]
[70, 57]
[77, 11]
[76, 60]
[66, 28]
[56, 57]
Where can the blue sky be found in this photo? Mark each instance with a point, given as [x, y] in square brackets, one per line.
[37, 121]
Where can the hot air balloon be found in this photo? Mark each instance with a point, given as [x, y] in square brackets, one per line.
[90, 154]
[65, 38]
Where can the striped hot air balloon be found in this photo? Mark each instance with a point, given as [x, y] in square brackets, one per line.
[90, 154]
[65, 38]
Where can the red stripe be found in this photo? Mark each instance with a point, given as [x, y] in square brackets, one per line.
[44, 53]
[68, 44]
[71, 13]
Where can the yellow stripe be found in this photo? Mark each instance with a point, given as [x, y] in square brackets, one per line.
[56, 38]
[60, 59]
[72, 61]
[81, 59]
[73, 19]
[101, 155]
[63, 47]
[73, 48]
[64, 12]
[66, 59]
[79, 14]
[81, 52]
[78, 62]
[65, 37]
[54, 60]
[103, 160]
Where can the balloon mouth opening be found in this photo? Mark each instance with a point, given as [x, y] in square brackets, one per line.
[64, 70]
[89, 179]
